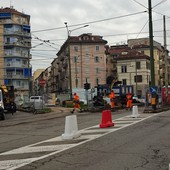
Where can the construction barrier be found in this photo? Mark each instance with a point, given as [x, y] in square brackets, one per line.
[106, 119]
[135, 112]
[71, 128]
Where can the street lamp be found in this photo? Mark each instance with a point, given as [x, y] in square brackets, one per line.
[69, 57]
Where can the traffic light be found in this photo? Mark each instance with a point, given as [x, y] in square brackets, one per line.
[87, 86]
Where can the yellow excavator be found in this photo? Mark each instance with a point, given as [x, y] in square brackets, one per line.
[7, 98]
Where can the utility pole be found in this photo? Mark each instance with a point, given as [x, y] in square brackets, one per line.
[136, 77]
[69, 61]
[29, 84]
[166, 61]
[151, 45]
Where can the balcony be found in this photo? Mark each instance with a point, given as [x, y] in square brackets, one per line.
[13, 64]
[62, 75]
[18, 33]
[22, 87]
[61, 58]
[14, 76]
[21, 44]
[16, 54]
[65, 65]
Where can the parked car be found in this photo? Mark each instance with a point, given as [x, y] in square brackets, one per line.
[36, 99]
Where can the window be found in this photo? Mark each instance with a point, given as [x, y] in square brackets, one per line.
[97, 81]
[147, 65]
[75, 59]
[124, 69]
[75, 48]
[139, 78]
[76, 70]
[18, 83]
[124, 81]
[97, 48]
[96, 59]
[139, 93]
[138, 65]
[97, 70]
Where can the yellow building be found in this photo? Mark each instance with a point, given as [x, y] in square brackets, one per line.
[143, 45]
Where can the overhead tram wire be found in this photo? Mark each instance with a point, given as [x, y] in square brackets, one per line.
[142, 29]
[140, 4]
[41, 50]
[92, 22]
[46, 42]
[159, 3]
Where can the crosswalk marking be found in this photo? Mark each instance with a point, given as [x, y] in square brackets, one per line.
[55, 145]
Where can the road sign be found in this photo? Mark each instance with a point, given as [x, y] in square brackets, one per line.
[42, 82]
[153, 89]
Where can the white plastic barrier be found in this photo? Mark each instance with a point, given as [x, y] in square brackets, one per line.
[135, 112]
[71, 128]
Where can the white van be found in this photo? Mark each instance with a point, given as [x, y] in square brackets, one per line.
[36, 99]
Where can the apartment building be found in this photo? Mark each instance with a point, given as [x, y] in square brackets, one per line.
[54, 77]
[111, 63]
[143, 45]
[36, 75]
[87, 61]
[133, 68]
[15, 44]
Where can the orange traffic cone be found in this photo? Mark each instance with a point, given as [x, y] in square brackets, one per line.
[106, 119]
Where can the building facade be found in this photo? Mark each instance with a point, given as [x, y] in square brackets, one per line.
[15, 44]
[133, 68]
[87, 62]
[36, 75]
[111, 63]
[143, 45]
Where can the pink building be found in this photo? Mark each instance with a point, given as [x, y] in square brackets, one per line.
[87, 61]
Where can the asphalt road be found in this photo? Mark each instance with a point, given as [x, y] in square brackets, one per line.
[144, 145]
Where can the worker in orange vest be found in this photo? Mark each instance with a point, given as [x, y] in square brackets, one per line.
[112, 99]
[129, 100]
[76, 102]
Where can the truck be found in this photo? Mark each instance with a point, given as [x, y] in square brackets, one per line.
[119, 90]
[7, 103]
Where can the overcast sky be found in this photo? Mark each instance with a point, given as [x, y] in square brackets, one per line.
[115, 20]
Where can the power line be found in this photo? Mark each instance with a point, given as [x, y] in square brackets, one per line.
[159, 3]
[140, 4]
[91, 22]
[41, 50]
[47, 42]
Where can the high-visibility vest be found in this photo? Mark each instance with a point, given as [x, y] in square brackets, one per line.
[129, 96]
[112, 95]
[76, 98]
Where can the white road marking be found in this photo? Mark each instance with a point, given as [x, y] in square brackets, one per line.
[88, 134]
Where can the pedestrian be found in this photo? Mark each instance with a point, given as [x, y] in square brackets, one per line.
[112, 99]
[76, 103]
[129, 101]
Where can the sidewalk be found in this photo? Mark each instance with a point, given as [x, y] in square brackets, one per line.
[59, 109]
